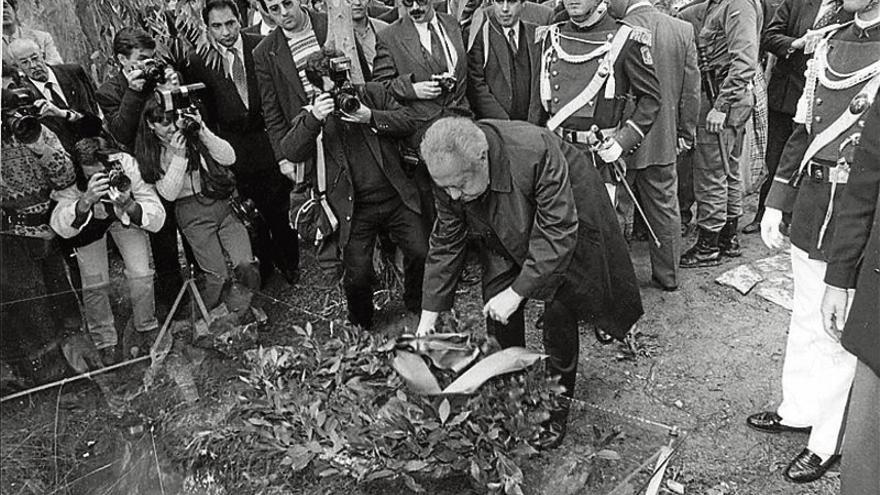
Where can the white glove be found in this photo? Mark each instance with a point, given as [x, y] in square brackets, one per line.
[770, 228]
[610, 151]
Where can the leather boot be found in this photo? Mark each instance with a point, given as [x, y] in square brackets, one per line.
[555, 429]
[727, 240]
[704, 253]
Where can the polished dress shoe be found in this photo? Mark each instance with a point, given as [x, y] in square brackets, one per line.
[770, 422]
[602, 336]
[753, 228]
[808, 467]
[664, 287]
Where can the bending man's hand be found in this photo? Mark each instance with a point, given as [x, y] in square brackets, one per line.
[770, 233]
[500, 307]
[426, 323]
[834, 311]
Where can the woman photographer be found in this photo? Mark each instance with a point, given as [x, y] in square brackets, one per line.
[117, 201]
[189, 166]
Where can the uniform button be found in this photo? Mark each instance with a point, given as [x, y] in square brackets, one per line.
[555, 100]
[861, 123]
[555, 73]
[818, 118]
[818, 101]
[349, 198]
[348, 218]
[556, 86]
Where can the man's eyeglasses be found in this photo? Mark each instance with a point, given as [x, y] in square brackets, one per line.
[409, 3]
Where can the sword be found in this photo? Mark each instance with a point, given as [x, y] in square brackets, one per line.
[619, 168]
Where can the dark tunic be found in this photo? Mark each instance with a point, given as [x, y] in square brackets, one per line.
[547, 208]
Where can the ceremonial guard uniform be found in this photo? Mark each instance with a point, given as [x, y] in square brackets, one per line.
[588, 74]
[843, 77]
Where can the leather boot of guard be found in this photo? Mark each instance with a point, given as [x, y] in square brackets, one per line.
[728, 241]
[555, 429]
[704, 253]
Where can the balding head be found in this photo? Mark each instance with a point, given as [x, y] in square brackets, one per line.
[28, 57]
[456, 152]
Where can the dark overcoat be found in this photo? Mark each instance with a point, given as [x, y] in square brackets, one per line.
[550, 211]
[855, 253]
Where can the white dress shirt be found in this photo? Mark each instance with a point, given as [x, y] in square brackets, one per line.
[228, 57]
[45, 91]
[515, 29]
[425, 39]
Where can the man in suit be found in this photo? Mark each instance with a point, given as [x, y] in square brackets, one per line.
[67, 96]
[13, 30]
[416, 48]
[366, 27]
[854, 263]
[262, 21]
[784, 37]
[474, 11]
[373, 195]
[503, 66]
[536, 209]
[234, 111]
[279, 63]
[651, 170]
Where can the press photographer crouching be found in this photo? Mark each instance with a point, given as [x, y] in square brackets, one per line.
[38, 302]
[189, 165]
[359, 167]
[116, 201]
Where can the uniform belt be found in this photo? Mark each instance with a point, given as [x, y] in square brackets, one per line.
[581, 137]
[19, 219]
[833, 174]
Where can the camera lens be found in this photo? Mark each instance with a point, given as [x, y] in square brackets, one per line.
[25, 128]
[348, 103]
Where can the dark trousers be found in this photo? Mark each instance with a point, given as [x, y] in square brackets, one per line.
[166, 257]
[270, 192]
[657, 187]
[406, 229]
[560, 322]
[685, 169]
[779, 128]
[37, 301]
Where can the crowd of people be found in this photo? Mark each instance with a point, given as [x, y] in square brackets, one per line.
[535, 138]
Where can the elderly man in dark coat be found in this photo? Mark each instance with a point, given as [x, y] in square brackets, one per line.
[855, 263]
[545, 229]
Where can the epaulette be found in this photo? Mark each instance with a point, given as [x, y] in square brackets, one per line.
[641, 35]
[541, 32]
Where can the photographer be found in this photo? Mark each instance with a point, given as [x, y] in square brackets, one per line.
[38, 301]
[182, 158]
[118, 202]
[122, 99]
[367, 188]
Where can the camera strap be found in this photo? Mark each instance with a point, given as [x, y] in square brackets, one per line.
[321, 170]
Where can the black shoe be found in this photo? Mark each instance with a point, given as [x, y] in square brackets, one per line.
[770, 422]
[704, 253]
[291, 275]
[660, 285]
[109, 356]
[728, 243]
[752, 228]
[808, 467]
[554, 429]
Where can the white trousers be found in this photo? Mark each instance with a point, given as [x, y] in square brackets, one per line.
[818, 372]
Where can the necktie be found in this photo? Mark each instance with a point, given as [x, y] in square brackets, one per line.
[56, 98]
[511, 38]
[437, 50]
[239, 77]
[829, 15]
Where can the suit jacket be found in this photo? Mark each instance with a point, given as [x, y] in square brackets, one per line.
[792, 20]
[490, 89]
[225, 112]
[281, 90]
[854, 260]
[675, 62]
[400, 61]
[390, 121]
[122, 107]
[546, 205]
[79, 91]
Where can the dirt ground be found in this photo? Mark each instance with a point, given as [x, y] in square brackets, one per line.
[708, 357]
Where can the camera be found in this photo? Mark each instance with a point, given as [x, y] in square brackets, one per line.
[181, 100]
[446, 81]
[112, 161]
[154, 71]
[20, 114]
[344, 93]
